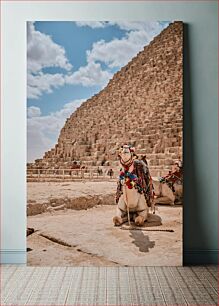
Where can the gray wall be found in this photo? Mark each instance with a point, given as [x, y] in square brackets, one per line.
[200, 112]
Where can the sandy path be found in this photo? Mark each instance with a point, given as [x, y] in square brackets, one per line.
[88, 238]
[39, 192]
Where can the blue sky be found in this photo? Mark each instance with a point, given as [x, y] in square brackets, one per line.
[68, 62]
[62, 34]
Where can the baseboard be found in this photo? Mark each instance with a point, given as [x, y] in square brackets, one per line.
[200, 257]
[13, 257]
[190, 257]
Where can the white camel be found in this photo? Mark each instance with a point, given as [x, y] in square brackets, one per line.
[133, 189]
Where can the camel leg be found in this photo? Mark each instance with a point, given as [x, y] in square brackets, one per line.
[167, 192]
[142, 211]
[120, 217]
[142, 217]
[160, 190]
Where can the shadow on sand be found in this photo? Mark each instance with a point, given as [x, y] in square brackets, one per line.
[141, 241]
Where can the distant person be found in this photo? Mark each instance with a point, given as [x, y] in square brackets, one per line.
[111, 173]
[75, 165]
[99, 171]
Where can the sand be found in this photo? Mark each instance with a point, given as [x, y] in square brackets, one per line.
[41, 191]
[87, 237]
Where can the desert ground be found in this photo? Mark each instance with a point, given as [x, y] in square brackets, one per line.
[73, 226]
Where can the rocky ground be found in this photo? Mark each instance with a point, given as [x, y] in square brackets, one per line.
[87, 237]
[40, 191]
[51, 196]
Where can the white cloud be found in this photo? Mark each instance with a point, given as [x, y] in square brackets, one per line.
[118, 52]
[43, 82]
[43, 131]
[115, 53]
[149, 26]
[91, 24]
[33, 111]
[43, 52]
[89, 75]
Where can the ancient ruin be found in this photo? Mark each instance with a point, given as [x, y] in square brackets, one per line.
[141, 105]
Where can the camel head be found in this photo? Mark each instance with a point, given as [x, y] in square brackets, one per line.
[126, 154]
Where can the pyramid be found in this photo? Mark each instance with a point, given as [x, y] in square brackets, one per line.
[141, 105]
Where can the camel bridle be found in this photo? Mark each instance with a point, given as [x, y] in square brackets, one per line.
[128, 163]
[126, 166]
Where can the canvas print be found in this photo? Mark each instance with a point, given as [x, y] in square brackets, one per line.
[104, 143]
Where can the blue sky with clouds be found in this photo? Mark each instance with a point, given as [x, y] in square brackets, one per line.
[68, 62]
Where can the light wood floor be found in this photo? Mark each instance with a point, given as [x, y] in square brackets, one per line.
[125, 286]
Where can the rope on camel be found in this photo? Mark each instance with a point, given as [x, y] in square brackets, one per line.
[127, 206]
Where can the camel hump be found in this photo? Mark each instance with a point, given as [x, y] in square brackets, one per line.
[141, 166]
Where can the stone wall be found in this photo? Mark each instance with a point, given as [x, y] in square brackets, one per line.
[141, 105]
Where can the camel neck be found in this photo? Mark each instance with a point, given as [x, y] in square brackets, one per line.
[129, 167]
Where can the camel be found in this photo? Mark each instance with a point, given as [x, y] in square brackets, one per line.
[169, 189]
[134, 190]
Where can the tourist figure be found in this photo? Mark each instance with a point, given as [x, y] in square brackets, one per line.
[110, 173]
[99, 171]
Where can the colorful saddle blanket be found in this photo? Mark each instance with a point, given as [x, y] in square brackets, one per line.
[139, 178]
